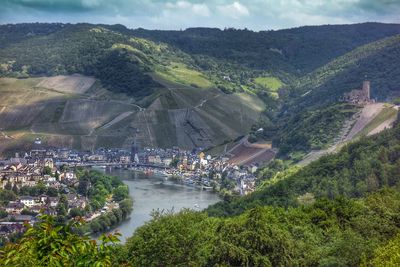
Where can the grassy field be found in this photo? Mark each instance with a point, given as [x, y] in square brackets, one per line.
[272, 84]
[180, 73]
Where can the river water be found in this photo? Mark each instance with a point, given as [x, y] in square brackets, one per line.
[155, 192]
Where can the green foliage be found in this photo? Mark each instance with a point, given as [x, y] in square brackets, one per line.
[50, 245]
[298, 127]
[3, 214]
[180, 73]
[47, 170]
[293, 50]
[375, 61]
[76, 212]
[97, 187]
[174, 162]
[126, 207]
[359, 168]
[7, 196]
[332, 212]
[36, 190]
[84, 49]
[121, 192]
[388, 255]
[311, 129]
[338, 232]
[172, 240]
[270, 83]
[111, 218]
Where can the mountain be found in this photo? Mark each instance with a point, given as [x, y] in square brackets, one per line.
[87, 86]
[199, 87]
[297, 51]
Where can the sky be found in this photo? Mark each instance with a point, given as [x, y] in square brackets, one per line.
[180, 14]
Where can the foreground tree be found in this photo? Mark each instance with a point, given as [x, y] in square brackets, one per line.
[49, 245]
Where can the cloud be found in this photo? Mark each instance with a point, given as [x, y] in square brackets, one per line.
[91, 3]
[176, 14]
[201, 10]
[194, 9]
[234, 10]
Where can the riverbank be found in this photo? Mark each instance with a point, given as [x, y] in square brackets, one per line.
[153, 192]
[109, 220]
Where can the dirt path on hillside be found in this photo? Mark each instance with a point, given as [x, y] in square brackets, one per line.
[368, 113]
[117, 119]
[363, 118]
[384, 125]
[205, 101]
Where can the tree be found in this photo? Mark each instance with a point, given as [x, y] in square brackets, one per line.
[84, 185]
[76, 212]
[7, 196]
[176, 240]
[62, 206]
[47, 170]
[126, 207]
[52, 192]
[388, 255]
[15, 189]
[120, 193]
[8, 186]
[51, 245]
[3, 214]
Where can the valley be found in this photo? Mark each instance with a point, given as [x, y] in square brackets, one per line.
[107, 85]
[298, 130]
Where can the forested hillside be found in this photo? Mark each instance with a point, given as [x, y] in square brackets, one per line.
[359, 168]
[300, 74]
[298, 51]
[114, 59]
[310, 117]
[316, 64]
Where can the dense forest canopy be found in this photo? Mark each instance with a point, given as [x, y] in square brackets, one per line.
[299, 50]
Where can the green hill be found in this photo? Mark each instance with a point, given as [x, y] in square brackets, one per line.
[296, 51]
[310, 117]
[300, 74]
[128, 70]
[332, 212]
[359, 168]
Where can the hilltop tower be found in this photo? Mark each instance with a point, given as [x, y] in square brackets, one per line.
[366, 89]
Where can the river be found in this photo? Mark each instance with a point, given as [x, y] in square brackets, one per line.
[154, 192]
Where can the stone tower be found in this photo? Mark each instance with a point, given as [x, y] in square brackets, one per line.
[366, 89]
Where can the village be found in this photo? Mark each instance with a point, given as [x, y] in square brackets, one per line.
[37, 181]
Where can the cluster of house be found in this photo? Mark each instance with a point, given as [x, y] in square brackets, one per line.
[43, 204]
[215, 169]
[194, 166]
[20, 175]
[198, 169]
